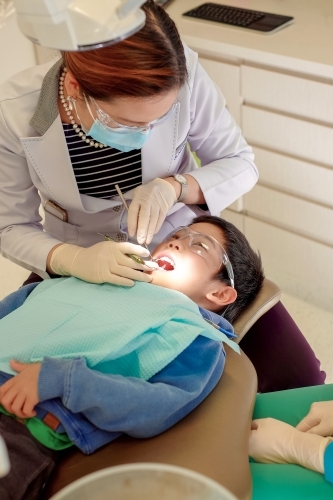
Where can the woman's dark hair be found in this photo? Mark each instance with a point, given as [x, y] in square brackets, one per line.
[150, 62]
[246, 264]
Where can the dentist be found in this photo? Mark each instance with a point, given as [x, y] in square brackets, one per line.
[125, 114]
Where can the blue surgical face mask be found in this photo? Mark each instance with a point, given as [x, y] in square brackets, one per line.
[119, 138]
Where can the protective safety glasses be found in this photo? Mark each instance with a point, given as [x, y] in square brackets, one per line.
[107, 121]
[206, 246]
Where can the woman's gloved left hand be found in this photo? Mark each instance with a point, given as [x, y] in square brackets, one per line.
[319, 420]
[273, 441]
[150, 205]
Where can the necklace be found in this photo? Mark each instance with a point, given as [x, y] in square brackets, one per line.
[68, 109]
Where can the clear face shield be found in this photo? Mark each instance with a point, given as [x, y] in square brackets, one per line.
[207, 247]
[108, 122]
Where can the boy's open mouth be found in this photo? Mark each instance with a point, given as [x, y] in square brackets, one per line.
[165, 263]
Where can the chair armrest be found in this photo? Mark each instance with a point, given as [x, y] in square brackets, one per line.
[212, 439]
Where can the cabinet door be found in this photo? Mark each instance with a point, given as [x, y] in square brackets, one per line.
[288, 93]
[295, 137]
[300, 266]
[290, 212]
[301, 178]
[227, 78]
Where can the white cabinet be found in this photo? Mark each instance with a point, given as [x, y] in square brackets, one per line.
[282, 98]
[289, 135]
[290, 212]
[288, 216]
[301, 266]
[291, 94]
[294, 176]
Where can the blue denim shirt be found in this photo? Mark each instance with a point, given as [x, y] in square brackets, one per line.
[95, 409]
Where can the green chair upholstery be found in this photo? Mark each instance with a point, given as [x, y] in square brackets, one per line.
[284, 481]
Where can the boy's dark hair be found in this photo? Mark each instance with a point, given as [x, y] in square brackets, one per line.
[246, 264]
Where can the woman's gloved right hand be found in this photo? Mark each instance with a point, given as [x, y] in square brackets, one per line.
[319, 420]
[149, 208]
[105, 262]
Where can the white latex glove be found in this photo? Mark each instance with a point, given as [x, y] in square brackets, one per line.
[273, 441]
[319, 420]
[105, 262]
[151, 202]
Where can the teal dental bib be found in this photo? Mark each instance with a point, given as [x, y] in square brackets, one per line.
[134, 332]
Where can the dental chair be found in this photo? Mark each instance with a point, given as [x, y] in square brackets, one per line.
[211, 440]
[268, 296]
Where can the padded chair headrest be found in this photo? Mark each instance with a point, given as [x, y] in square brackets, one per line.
[268, 296]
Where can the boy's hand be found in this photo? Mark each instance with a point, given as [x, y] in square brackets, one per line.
[19, 395]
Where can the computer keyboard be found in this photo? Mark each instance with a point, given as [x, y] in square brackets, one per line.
[235, 16]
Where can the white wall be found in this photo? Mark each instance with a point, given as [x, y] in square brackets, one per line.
[16, 54]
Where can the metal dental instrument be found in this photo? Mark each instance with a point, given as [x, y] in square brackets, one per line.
[126, 206]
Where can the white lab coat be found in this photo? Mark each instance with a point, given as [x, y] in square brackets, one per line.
[35, 166]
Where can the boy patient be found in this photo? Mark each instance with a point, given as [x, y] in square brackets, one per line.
[96, 361]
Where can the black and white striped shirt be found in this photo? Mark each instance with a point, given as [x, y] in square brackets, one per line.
[97, 170]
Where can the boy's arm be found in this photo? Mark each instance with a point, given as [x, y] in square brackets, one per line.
[134, 406]
[129, 405]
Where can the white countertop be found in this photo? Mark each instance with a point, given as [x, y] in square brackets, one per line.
[306, 46]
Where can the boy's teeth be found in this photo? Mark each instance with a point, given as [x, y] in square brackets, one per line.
[166, 263]
[167, 260]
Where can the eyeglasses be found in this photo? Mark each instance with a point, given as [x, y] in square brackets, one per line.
[206, 246]
[107, 121]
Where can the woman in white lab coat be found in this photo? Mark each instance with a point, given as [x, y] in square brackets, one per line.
[72, 129]
[147, 76]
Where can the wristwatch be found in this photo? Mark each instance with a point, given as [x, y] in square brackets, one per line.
[184, 186]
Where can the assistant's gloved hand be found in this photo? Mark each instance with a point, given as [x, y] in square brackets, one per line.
[149, 207]
[105, 262]
[273, 441]
[319, 420]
